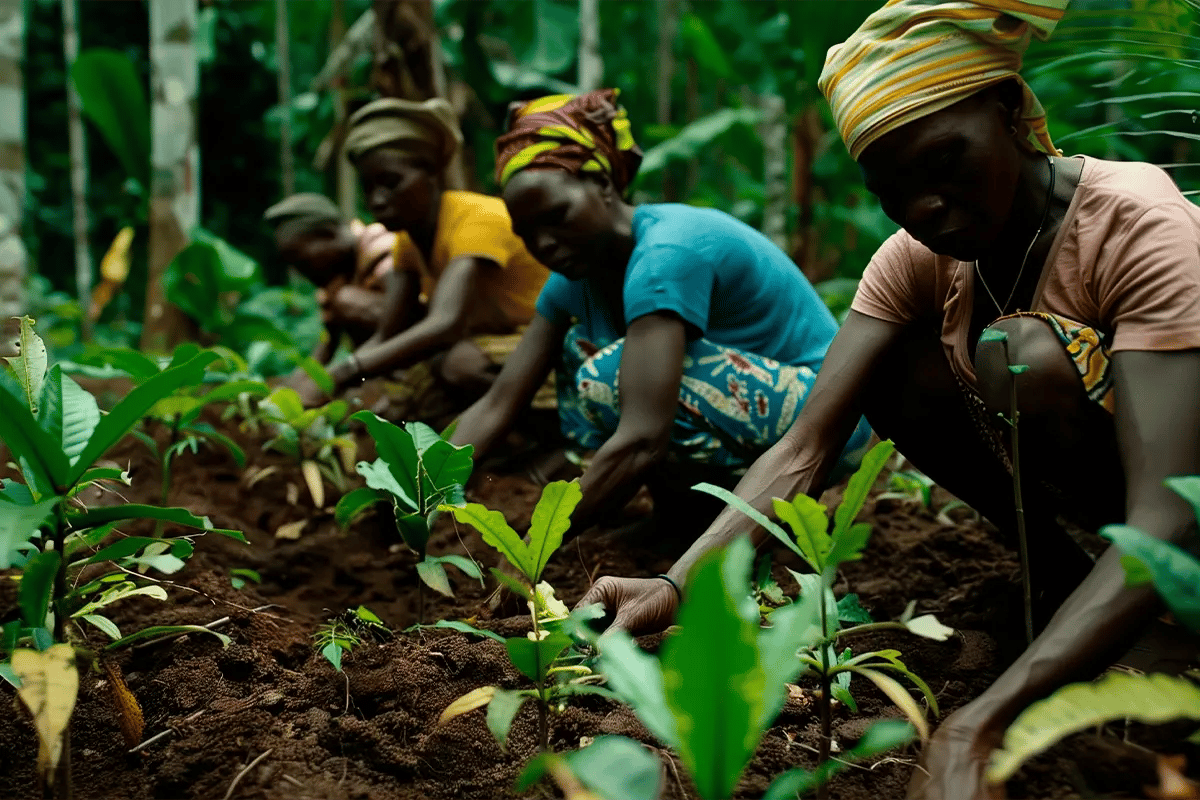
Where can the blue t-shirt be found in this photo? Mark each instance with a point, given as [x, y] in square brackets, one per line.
[725, 280]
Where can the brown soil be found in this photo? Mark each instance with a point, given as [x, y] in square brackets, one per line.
[370, 733]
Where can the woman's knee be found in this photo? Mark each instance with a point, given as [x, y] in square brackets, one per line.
[1050, 386]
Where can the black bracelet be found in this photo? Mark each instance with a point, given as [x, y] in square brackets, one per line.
[674, 585]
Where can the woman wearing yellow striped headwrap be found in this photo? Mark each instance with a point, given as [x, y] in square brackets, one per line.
[1085, 272]
[679, 335]
[464, 285]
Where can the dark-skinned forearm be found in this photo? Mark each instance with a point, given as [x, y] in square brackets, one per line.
[614, 476]
[481, 424]
[402, 350]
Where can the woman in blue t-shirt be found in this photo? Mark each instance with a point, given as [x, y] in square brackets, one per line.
[680, 334]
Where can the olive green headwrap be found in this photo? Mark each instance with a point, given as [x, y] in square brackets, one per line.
[301, 213]
[428, 129]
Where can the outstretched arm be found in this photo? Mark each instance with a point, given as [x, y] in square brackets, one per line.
[515, 386]
[651, 373]
[799, 462]
[1158, 432]
[447, 321]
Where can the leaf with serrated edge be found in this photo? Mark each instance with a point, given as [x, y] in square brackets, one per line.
[1151, 699]
[551, 519]
[30, 364]
[49, 686]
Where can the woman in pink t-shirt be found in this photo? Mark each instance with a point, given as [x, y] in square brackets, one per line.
[1090, 268]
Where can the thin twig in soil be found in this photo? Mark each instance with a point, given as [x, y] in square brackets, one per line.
[292, 780]
[216, 623]
[674, 770]
[166, 733]
[245, 771]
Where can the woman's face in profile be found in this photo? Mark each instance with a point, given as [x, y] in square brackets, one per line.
[398, 187]
[949, 179]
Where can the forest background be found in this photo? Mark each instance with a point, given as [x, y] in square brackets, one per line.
[721, 94]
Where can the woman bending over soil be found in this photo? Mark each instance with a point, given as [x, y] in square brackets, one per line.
[461, 284]
[1091, 268]
[711, 331]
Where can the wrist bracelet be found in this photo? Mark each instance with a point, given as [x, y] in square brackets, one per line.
[674, 585]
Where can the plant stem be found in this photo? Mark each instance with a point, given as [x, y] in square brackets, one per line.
[62, 783]
[1022, 539]
[543, 670]
[420, 601]
[826, 700]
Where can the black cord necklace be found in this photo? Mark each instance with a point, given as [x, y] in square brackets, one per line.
[1045, 216]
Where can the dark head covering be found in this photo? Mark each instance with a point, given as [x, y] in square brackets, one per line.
[427, 128]
[575, 133]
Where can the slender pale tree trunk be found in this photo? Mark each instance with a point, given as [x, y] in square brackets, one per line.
[591, 64]
[287, 166]
[79, 168]
[13, 261]
[774, 132]
[668, 22]
[174, 159]
[343, 171]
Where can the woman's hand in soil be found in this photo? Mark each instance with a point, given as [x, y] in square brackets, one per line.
[636, 605]
[953, 763]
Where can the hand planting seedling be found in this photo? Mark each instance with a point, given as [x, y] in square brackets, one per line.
[421, 474]
[547, 655]
[1150, 699]
[313, 437]
[719, 682]
[56, 432]
[824, 551]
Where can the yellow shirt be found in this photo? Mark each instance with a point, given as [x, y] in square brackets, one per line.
[471, 224]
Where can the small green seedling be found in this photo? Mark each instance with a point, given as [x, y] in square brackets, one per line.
[547, 656]
[1150, 699]
[240, 576]
[56, 432]
[824, 551]
[313, 438]
[718, 683]
[343, 633]
[420, 473]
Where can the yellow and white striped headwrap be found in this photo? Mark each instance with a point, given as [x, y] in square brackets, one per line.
[913, 58]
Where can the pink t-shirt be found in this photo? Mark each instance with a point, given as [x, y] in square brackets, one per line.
[1125, 261]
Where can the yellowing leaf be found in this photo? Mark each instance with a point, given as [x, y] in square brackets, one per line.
[129, 712]
[49, 686]
[468, 702]
[114, 266]
[30, 363]
[291, 530]
[900, 696]
[927, 625]
[316, 486]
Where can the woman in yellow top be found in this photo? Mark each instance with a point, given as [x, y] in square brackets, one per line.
[459, 269]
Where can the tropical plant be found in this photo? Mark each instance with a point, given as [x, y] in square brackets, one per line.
[1151, 699]
[547, 656]
[824, 551]
[341, 634]
[56, 434]
[421, 474]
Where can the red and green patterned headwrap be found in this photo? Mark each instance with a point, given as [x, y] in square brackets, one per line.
[575, 133]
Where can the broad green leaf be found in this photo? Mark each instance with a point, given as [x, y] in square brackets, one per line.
[414, 530]
[37, 587]
[695, 137]
[814, 586]
[212, 435]
[104, 474]
[433, 575]
[466, 565]
[712, 676]
[850, 611]
[106, 625]
[442, 465]
[847, 546]
[463, 627]
[1152, 699]
[166, 630]
[699, 40]
[333, 654]
[793, 627]
[233, 389]
[353, 504]
[497, 534]
[133, 406]
[379, 477]
[750, 511]
[396, 449]
[123, 548]
[422, 435]
[1175, 573]
[178, 516]
[113, 98]
[286, 403]
[29, 365]
[532, 658]
[614, 767]
[879, 738]
[551, 519]
[859, 487]
[18, 523]
[502, 709]
[806, 517]
[49, 685]
[68, 413]
[165, 563]
[513, 584]
[39, 454]
[121, 591]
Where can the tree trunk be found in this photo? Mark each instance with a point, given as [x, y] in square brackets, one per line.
[806, 138]
[343, 171]
[591, 64]
[287, 166]
[79, 170]
[13, 259]
[174, 160]
[668, 22]
[774, 134]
